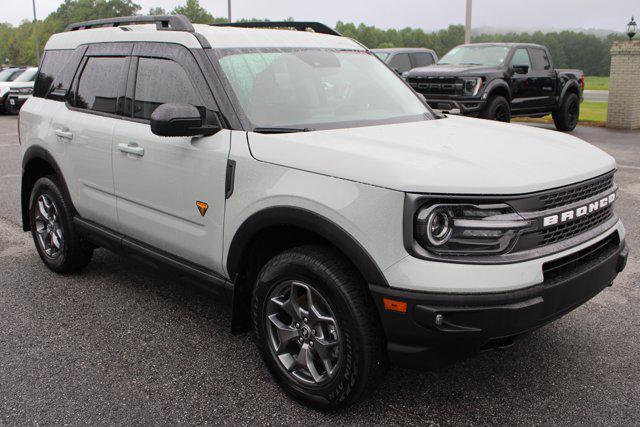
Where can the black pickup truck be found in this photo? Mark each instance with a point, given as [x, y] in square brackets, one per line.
[499, 80]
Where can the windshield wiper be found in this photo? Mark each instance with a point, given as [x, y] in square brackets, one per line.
[470, 63]
[280, 130]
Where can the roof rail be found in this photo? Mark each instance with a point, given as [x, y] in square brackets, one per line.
[163, 22]
[316, 27]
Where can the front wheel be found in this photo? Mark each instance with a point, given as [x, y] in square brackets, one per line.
[566, 117]
[497, 109]
[316, 328]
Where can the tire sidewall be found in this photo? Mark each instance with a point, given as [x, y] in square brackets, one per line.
[493, 105]
[572, 97]
[49, 187]
[337, 390]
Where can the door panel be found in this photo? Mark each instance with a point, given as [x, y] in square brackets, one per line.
[158, 187]
[545, 77]
[84, 127]
[159, 180]
[522, 84]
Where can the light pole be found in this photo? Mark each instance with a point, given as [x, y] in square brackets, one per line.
[229, 9]
[467, 28]
[35, 29]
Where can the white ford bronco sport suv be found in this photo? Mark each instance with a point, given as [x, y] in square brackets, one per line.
[299, 178]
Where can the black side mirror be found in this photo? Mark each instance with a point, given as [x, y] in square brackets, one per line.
[520, 69]
[180, 120]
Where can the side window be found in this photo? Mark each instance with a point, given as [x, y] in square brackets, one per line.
[521, 59]
[400, 62]
[540, 59]
[421, 59]
[161, 81]
[52, 65]
[99, 84]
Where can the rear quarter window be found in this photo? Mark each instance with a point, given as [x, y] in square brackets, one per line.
[52, 65]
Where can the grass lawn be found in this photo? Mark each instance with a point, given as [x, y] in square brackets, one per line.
[596, 83]
[591, 113]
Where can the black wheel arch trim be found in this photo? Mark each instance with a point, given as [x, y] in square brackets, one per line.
[567, 89]
[38, 152]
[495, 84]
[309, 221]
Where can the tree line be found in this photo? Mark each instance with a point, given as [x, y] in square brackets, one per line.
[569, 49]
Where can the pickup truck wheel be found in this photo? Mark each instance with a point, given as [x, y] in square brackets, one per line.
[316, 328]
[497, 109]
[51, 218]
[566, 117]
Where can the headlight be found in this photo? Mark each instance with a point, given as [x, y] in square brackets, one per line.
[465, 229]
[472, 85]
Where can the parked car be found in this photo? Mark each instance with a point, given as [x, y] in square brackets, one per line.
[7, 76]
[497, 81]
[299, 178]
[402, 59]
[20, 90]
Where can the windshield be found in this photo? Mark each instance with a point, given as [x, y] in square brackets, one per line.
[308, 89]
[27, 76]
[382, 55]
[8, 74]
[490, 56]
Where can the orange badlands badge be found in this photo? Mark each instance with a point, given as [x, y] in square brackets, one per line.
[202, 207]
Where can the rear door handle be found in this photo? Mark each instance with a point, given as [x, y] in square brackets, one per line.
[64, 134]
[131, 148]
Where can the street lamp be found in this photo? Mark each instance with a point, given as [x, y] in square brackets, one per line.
[632, 27]
[35, 29]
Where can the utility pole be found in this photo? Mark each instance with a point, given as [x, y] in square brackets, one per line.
[35, 29]
[467, 28]
[229, 9]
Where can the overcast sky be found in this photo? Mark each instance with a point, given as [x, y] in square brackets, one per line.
[426, 14]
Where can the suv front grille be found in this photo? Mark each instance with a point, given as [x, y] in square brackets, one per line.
[576, 193]
[568, 265]
[567, 230]
[436, 85]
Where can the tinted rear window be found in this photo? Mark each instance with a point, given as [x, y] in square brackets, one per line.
[51, 68]
[100, 83]
[540, 59]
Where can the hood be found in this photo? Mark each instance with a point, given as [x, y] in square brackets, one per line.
[5, 86]
[451, 71]
[455, 155]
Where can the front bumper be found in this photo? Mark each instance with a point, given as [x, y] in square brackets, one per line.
[467, 107]
[16, 102]
[439, 327]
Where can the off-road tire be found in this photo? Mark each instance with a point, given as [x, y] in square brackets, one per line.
[497, 109]
[362, 342]
[566, 117]
[74, 253]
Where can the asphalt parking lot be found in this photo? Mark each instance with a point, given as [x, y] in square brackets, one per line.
[118, 345]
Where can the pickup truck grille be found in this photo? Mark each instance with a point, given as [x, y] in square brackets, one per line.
[436, 85]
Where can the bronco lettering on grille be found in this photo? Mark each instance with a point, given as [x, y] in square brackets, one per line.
[581, 211]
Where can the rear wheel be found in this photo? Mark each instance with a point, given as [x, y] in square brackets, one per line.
[497, 109]
[566, 117]
[316, 328]
[51, 218]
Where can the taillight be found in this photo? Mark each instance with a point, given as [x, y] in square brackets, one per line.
[582, 82]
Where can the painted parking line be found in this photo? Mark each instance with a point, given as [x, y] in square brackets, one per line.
[9, 145]
[628, 167]
[10, 176]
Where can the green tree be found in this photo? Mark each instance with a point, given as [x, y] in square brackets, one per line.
[84, 10]
[157, 11]
[196, 13]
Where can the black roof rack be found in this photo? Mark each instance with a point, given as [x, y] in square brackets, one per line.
[163, 22]
[316, 27]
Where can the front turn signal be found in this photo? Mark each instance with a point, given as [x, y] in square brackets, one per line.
[393, 305]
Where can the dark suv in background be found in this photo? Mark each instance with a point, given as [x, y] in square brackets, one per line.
[499, 80]
[403, 59]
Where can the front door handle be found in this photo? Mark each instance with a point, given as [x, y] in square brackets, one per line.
[131, 148]
[64, 134]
